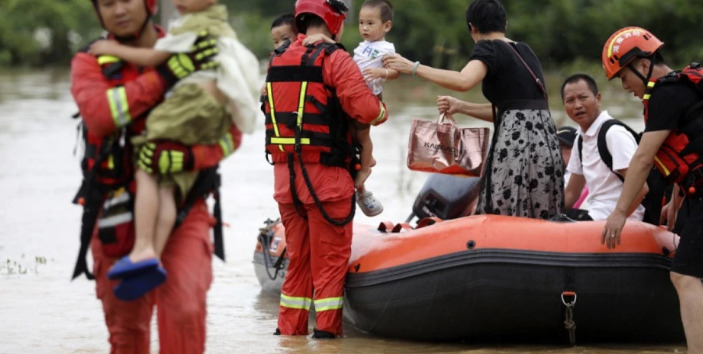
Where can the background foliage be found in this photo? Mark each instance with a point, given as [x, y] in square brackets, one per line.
[47, 33]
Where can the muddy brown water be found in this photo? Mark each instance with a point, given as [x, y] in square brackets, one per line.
[42, 311]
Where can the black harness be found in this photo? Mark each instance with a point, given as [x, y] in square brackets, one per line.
[342, 153]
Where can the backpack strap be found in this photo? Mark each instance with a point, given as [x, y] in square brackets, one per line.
[579, 146]
[603, 151]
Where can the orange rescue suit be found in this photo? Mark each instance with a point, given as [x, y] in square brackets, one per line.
[122, 101]
[318, 250]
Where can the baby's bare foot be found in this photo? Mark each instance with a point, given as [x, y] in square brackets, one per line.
[142, 254]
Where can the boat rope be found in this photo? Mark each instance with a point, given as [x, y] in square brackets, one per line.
[569, 322]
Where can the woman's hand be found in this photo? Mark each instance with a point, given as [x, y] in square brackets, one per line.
[398, 63]
[613, 229]
[448, 105]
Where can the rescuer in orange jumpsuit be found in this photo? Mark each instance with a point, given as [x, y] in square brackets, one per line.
[114, 98]
[312, 93]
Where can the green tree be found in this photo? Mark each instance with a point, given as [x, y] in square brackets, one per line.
[560, 32]
[44, 32]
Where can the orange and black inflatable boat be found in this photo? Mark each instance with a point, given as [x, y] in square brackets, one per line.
[489, 278]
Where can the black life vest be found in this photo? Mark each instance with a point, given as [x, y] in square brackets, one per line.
[681, 152]
[303, 115]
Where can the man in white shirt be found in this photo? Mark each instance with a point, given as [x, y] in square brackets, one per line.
[582, 104]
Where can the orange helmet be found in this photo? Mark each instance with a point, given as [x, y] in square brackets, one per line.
[626, 45]
[333, 12]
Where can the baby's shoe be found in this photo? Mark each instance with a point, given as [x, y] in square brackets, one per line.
[369, 204]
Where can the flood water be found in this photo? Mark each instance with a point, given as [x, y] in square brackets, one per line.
[42, 311]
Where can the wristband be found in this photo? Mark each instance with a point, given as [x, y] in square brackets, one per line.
[414, 72]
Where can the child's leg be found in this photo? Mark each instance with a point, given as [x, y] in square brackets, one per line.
[166, 217]
[364, 138]
[146, 207]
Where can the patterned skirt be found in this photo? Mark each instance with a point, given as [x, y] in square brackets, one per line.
[524, 172]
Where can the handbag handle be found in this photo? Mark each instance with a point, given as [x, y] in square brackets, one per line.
[444, 116]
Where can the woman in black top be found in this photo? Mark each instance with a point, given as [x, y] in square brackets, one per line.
[524, 171]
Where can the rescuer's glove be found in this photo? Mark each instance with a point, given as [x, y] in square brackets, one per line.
[165, 157]
[180, 65]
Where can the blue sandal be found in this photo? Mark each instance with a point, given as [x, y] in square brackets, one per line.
[124, 267]
[136, 286]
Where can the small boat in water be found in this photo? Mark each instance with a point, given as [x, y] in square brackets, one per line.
[490, 278]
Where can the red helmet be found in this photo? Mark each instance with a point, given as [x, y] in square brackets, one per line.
[333, 12]
[626, 45]
[151, 6]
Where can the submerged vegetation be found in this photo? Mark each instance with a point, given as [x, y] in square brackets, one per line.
[21, 267]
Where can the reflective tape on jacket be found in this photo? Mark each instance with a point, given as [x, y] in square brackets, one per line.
[119, 106]
[381, 115]
[227, 144]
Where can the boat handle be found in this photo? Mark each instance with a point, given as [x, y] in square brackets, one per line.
[568, 294]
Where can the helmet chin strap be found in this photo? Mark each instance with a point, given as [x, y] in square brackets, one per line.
[645, 80]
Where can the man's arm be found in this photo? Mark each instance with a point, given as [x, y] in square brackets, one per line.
[622, 146]
[639, 168]
[105, 108]
[356, 98]
[669, 211]
[640, 196]
[637, 174]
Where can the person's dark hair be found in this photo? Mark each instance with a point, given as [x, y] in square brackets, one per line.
[285, 19]
[657, 58]
[308, 20]
[578, 77]
[383, 5]
[487, 16]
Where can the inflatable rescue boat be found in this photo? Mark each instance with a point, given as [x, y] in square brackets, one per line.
[490, 278]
